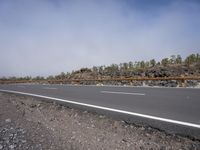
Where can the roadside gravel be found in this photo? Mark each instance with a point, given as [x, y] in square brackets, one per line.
[31, 123]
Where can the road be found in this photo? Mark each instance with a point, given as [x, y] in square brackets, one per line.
[177, 108]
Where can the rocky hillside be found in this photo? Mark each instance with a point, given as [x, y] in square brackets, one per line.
[174, 66]
[167, 67]
[157, 71]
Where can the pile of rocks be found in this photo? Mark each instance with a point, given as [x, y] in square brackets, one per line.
[161, 83]
[12, 137]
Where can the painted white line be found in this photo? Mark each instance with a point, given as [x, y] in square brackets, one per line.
[112, 92]
[108, 109]
[49, 88]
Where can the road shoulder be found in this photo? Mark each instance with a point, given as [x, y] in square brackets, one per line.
[27, 122]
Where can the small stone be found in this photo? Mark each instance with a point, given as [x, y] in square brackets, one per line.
[147, 134]
[162, 148]
[33, 105]
[1, 147]
[149, 128]
[142, 128]
[73, 132]
[141, 148]
[124, 140]
[73, 137]
[8, 120]
[52, 119]
[85, 112]
[23, 141]
[141, 141]
[12, 146]
[101, 116]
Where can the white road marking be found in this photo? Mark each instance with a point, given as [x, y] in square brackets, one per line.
[108, 109]
[49, 88]
[112, 92]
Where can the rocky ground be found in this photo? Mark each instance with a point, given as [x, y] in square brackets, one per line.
[30, 123]
[152, 72]
[167, 83]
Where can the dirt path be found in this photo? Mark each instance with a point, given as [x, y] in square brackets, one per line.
[29, 123]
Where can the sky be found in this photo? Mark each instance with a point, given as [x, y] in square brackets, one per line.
[46, 37]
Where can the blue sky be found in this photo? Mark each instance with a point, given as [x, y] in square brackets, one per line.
[42, 37]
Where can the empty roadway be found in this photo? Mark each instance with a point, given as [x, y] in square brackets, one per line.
[181, 105]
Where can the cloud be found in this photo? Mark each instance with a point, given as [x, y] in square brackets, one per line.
[47, 37]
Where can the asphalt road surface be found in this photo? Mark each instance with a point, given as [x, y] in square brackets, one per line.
[175, 110]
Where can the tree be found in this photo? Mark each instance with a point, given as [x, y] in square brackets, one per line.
[147, 64]
[62, 75]
[101, 70]
[198, 57]
[130, 65]
[158, 63]
[27, 78]
[142, 64]
[112, 70]
[136, 64]
[114, 67]
[152, 62]
[85, 70]
[178, 59]
[38, 78]
[190, 59]
[165, 61]
[172, 59]
[95, 69]
[50, 77]
[125, 66]
[121, 66]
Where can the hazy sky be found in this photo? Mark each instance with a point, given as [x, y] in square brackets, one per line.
[42, 37]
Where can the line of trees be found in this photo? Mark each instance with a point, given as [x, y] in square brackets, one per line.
[122, 69]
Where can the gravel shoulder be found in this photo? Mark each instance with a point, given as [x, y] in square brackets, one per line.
[31, 123]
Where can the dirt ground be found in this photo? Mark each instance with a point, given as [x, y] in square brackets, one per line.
[30, 123]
